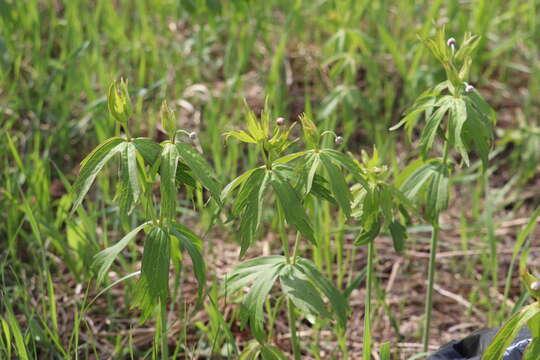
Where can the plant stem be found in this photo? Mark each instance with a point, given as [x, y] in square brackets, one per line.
[295, 248]
[292, 325]
[429, 293]
[366, 348]
[163, 325]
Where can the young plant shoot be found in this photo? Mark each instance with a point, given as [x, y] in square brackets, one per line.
[458, 115]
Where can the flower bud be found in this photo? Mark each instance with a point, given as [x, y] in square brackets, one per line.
[468, 87]
[193, 135]
[451, 42]
[168, 119]
[280, 121]
[119, 102]
[339, 140]
[535, 285]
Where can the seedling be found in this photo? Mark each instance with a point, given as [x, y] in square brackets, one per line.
[468, 127]
[142, 162]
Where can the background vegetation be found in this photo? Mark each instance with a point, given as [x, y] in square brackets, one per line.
[356, 65]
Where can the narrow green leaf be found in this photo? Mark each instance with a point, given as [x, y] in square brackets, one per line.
[236, 182]
[193, 244]
[105, 258]
[200, 168]
[168, 166]
[430, 129]
[153, 284]
[509, 331]
[437, 194]
[348, 163]
[368, 234]
[417, 179]
[129, 185]
[302, 293]
[459, 117]
[337, 301]
[337, 182]
[148, 149]
[240, 135]
[399, 235]
[20, 344]
[532, 350]
[92, 165]
[308, 171]
[292, 206]
[254, 301]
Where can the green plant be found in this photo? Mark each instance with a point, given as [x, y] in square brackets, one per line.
[142, 162]
[301, 282]
[468, 127]
[378, 206]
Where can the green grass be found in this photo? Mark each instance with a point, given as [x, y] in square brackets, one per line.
[356, 66]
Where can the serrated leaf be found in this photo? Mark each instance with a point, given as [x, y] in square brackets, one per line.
[337, 182]
[430, 129]
[509, 331]
[437, 194]
[301, 292]
[248, 207]
[105, 258]
[153, 284]
[200, 169]
[459, 117]
[270, 352]
[292, 206]
[148, 149]
[240, 135]
[168, 166]
[193, 244]
[183, 176]
[92, 165]
[417, 178]
[337, 301]
[129, 184]
[348, 163]
[399, 235]
[308, 170]
[253, 302]
[236, 182]
[369, 234]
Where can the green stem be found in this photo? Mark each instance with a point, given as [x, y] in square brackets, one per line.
[163, 326]
[292, 325]
[431, 277]
[295, 248]
[366, 348]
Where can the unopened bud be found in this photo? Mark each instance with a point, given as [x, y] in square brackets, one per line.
[280, 121]
[535, 285]
[339, 140]
[193, 135]
[451, 42]
[468, 87]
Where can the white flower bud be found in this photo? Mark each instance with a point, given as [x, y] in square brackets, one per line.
[451, 42]
[468, 87]
[193, 135]
[339, 140]
[535, 285]
[280, 121]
